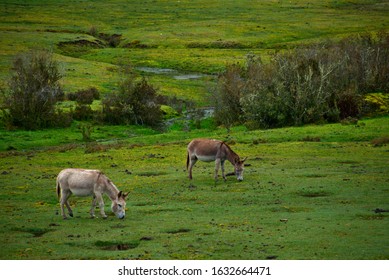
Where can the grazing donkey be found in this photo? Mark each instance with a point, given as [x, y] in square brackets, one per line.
[213, 150]
[82, 182]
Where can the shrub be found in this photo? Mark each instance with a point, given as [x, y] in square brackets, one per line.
[135, 103]
[323, 82]
[349, 104]
[376, 103]
[262, 106]
[34, 90]
[226, 96]
[83, 112]
[87, 96]
[86, 131]
[84, 99]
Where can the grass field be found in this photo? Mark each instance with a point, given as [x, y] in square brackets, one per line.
[301, 199]
[197, 36]
[309, 192]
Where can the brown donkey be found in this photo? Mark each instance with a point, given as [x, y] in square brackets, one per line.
[213, 150]
[82, 182]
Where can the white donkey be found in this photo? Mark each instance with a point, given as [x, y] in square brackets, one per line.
[82, 182]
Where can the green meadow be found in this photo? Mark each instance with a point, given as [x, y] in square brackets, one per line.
[314, 192]
[310, 192]
[190, 36]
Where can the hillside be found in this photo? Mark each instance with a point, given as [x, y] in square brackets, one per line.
[91, 38]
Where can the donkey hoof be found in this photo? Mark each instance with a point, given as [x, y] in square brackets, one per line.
[71, 214]
[105, 217]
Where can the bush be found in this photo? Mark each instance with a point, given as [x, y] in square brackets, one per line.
[135, 103]
[226, 96]
[86, 131]
[87, 96]
[84, 99]
[34, 90]
[376, 103]
[310, 84]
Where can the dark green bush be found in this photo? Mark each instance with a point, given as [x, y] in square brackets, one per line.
[34, 90]
[84, 99]
[226, 96]
[135, 103]
[323, 82]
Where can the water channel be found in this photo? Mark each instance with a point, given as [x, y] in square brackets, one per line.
[171, 73]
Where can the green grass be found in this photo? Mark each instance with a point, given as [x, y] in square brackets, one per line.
[299, 199]
[309, 192]
[365, 131]
[198, 36]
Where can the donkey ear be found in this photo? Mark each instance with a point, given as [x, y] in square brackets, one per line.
[120, 194]
[243, 160]
[125, 195]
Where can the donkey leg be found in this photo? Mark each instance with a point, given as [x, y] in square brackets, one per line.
[63, 202]
[192, 162]
[223, 174]
[63, 209]
[99, 198]
[217, 166]
[92, 209]
[69, 209]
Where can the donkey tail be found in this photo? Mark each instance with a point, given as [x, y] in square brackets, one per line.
[58, 189]
[187, 161]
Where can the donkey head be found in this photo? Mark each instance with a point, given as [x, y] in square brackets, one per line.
[119, 205]
[239, 164]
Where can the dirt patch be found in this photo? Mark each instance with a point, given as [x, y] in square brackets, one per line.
[119, 226]
[112, 40]
[117, 246]
[36, 232]
[80, 43]
[146, 238]
[314, 176]
[348, 162]
[178, 231]
[78, 47]
[152, 173]
[314, 193]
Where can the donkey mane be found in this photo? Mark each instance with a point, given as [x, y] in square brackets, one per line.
[229, 149]
[104, 178]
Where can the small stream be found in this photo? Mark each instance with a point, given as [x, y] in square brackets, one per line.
[171, 73]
